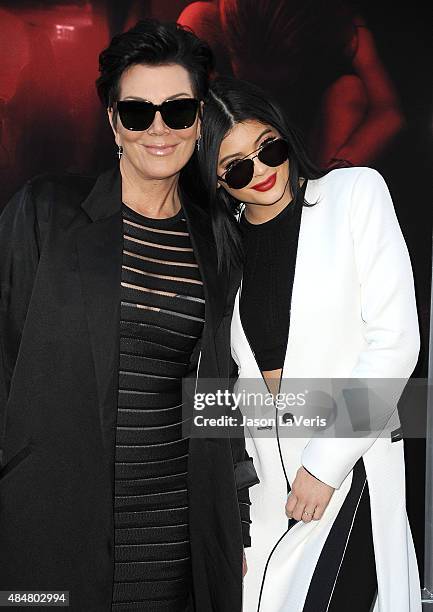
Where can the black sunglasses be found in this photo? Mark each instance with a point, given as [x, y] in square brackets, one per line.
[137, 115]
[272, 154]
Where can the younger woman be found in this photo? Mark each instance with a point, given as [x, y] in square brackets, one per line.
[327, 292]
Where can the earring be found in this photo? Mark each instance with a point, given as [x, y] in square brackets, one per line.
[119, 151]
[198, 142]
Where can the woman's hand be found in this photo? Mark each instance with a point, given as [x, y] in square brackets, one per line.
[308, 498]
[244, 566]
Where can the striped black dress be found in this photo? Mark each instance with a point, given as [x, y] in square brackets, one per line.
[162, 315]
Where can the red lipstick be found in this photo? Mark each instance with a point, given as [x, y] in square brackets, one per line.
[266, 185]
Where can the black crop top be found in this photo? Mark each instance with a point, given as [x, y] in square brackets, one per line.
[270, 257]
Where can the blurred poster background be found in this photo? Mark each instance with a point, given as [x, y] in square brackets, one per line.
[355, 77]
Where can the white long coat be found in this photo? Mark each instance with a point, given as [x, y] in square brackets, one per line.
[353, 314]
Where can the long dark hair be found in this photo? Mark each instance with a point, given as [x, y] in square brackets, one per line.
[231, 101]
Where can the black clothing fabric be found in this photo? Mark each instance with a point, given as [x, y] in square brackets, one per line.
[161, 319]
[269, 269]
[61, 243]
[346, 569]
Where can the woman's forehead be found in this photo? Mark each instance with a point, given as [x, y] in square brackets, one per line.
[244, 134]
[155, 83]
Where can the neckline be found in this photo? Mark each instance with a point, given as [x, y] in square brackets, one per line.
[290, 209]
[133, 215]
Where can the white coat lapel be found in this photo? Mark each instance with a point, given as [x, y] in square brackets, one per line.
[303, 291]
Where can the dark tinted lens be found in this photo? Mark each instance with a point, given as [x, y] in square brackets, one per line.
[136, 115]
[274, 153]
[179, 114]
[239, 175]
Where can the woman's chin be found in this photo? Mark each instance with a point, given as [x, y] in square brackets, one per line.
[160, 171]
[268, 198]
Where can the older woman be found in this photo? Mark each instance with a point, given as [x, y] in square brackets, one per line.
[110, 295]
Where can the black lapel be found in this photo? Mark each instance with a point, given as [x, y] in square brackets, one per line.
[99, 246]
[215, 284]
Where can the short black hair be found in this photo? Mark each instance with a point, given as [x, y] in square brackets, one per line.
[154, 43]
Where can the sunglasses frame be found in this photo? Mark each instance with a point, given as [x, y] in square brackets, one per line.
[155, 108]
[247, 157]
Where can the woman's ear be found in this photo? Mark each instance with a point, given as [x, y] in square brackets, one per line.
[200, 116]
[111, 120]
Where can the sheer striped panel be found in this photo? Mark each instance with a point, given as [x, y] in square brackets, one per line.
[162, 316]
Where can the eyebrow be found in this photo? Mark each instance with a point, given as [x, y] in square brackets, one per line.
[179, 95]
[227, 157]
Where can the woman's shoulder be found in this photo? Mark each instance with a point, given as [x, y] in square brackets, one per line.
[350, 175]
[38, 194]
[347, 190]
[41, 193]
[49, 186]
[346, 183]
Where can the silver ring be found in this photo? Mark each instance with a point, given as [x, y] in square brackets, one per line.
[307, 513]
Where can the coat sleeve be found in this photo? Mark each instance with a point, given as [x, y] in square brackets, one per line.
[19, 257]
[245, 473]
[388, 311]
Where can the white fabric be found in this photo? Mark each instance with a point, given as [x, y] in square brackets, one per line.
[353, 314]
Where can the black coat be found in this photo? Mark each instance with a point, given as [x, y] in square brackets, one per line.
[60, 272]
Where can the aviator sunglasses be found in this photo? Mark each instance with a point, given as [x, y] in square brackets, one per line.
[137, 115]
[272, 154]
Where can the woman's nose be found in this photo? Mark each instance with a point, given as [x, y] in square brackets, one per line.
[158, 126]
[259, 168]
